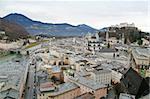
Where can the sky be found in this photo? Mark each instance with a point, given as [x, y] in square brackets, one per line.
[95, 13]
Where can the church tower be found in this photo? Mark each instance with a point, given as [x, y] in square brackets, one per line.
[107, 37]
[123, 38]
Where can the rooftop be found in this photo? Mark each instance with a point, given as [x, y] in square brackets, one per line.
[134, 84]
[62, 88]
[102, 71]
[88, 83]
[12, 75]
[126, 96]
[12, 93]
[143, 53]
[54, 68]
[86, 96]
[107, 50]
[47, 86]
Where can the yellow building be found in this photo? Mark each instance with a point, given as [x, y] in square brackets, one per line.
[147, 73]
[141, 60]
[141, 56]
[87, 85]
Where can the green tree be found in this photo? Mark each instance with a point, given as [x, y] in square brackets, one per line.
[140, 42]
[125, 41]
[108, 45]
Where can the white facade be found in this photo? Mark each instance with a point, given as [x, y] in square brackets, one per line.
[2, 32]
[93, 44]
[126, 25]
[102, 76]
[116, 76]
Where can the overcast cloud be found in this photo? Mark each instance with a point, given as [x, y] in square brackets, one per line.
[97, 13]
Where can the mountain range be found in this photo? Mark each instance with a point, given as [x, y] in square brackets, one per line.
[19, 26]
[36, 27]
[12, 30]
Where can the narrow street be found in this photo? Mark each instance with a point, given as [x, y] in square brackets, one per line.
[30, 83]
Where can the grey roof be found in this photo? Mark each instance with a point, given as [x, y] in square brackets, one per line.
[14, 94]
[108, 50]
[134, 84]
[65, 87]
[102, 71]
[88, 83]
[143, 51]
[12, 74]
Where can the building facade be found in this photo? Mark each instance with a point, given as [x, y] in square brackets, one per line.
[102, 76]
[65, 91]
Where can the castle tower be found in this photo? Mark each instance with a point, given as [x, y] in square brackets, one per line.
[74, 40]
[107, 37]
[97, 36]
[49, 48]
[123, 38]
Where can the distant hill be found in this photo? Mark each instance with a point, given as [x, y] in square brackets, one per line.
[12, 30]
[37, 27]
